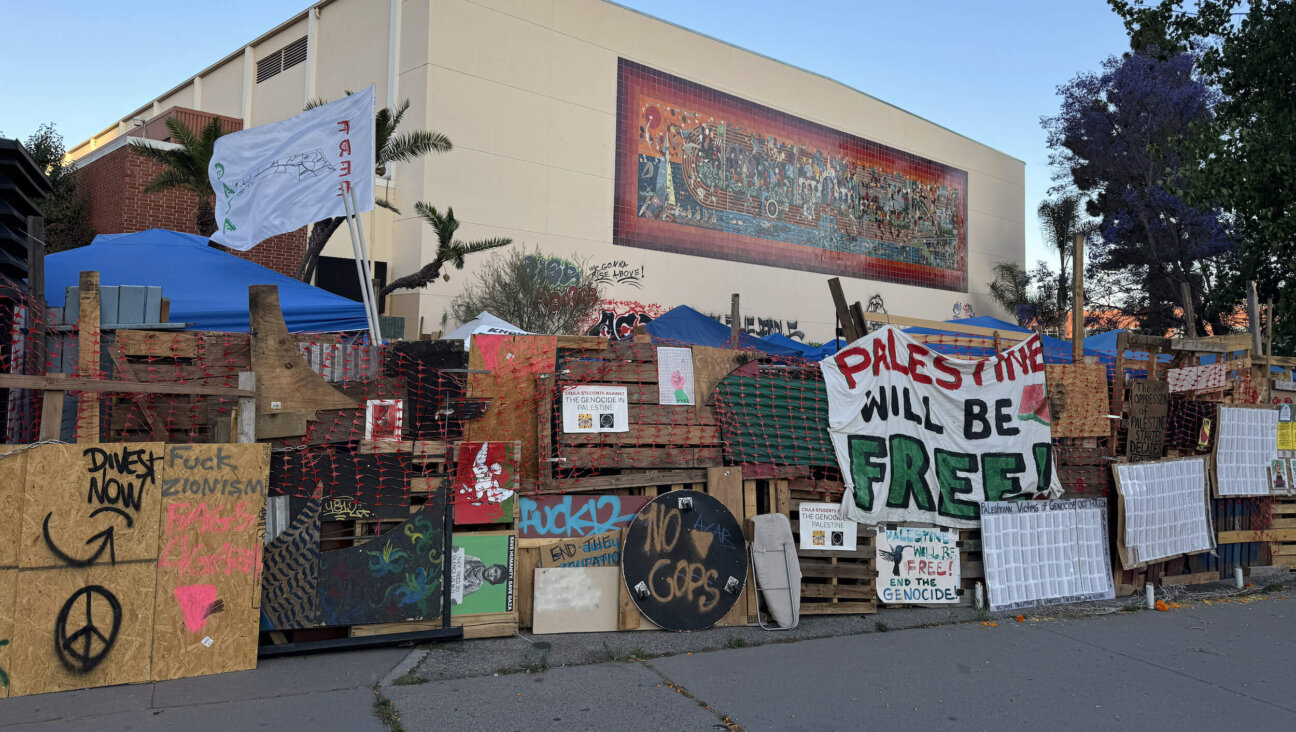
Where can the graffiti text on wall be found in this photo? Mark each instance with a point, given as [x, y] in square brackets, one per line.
[761, 327]
[619, 318]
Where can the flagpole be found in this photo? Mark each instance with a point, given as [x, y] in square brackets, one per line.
[374, 334]
[366, 262]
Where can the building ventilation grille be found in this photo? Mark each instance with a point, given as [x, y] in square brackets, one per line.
[281, 60]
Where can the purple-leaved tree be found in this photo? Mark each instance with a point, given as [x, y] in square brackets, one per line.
[1116, 139]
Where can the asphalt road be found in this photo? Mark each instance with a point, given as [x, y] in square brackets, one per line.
[1225, 665]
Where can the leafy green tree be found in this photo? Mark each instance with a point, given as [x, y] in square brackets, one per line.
[450, 251]
[67, 220]
[1246, 50]
[186, 166]
[519, 287]
[391, 146]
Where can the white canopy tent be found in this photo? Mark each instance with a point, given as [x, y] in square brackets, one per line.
[483, 323]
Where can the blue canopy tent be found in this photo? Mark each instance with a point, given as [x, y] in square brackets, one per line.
[686, 325]
[208, 288]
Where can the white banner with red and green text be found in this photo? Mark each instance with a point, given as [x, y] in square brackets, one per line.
[923, 436]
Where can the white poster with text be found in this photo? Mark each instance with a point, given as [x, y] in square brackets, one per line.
[593, 408]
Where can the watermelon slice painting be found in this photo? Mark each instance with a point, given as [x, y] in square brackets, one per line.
[1034, 404]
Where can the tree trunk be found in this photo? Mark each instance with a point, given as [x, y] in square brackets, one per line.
[421, 278]
[320, 233]
[205, 216]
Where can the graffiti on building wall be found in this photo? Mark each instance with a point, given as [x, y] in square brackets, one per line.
[760, 327]
[618, 273]
[964, 310]
[618, 318]
[556, 271]
[704, 173]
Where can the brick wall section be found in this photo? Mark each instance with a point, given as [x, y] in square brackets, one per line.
[114, 185]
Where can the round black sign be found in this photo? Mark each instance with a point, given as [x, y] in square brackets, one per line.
[684, 560]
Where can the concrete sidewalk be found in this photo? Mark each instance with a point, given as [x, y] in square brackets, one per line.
[1224, 665]
[1216, 662]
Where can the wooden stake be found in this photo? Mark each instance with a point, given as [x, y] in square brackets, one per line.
[1253, 316]
[88, 345]
[1077, 299]
[843, 311]
[1190, 317]
[735, 327]
[857, 315]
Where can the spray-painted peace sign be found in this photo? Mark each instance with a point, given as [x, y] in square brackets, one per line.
[84, 648]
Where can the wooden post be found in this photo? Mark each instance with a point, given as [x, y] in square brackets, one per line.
[1118, 383]
[857, 315]
[88, 345]
[735, 325]
[1077, 299]
[1190, 317]
[843, 311]
[51, 424]
[1253, 317]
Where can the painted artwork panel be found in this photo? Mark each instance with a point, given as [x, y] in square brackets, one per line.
[485, 487]
[290, 580]
[481, 575]
[705, 173]
[675, 376]
[575, 515]
[394, 577]
[917, 565]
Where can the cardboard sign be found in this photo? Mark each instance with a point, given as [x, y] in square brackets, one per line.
[1163, 510]
[917, 565]
[1149, 406]
[675, 376]
[600, 550]
[822, 529]
[592, 409]
[921, 437]
[485, 486]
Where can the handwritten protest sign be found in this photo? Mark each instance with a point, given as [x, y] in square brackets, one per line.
[1149, 407]
[917, 565]
[600, 550]
[922, 437]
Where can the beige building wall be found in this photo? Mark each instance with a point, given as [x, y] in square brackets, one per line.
[527, 91]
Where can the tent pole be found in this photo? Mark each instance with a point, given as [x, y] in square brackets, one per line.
[364, 291]
[367, 263]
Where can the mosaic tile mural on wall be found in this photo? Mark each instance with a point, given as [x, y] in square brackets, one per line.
[705, 173]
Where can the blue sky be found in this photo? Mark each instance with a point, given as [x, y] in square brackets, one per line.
[985, 69]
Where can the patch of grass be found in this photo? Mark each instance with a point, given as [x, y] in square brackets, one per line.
[1134, 607]
[736, 642]
[983, 613]
[881, 627]
[1272, 587]
[537, 666]
[409, 679]
[638, 654]
[386, 712]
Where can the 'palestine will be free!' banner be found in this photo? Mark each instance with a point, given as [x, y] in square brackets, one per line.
[925, 437]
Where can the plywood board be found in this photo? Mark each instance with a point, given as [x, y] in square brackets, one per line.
[575, 600]
[209, 565]
[8, 597]
[1078, 400]
[13, 469]
[80, 628]
[90, 503]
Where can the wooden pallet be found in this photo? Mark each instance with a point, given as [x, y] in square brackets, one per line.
[836, 582]
[1283, 550]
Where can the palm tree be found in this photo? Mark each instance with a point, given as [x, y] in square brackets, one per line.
[1011, 291]
[390, 147]
[186, 167]
[449, 250]
[1060, 220]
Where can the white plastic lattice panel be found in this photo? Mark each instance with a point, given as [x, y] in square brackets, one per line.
[1045, 552]
[1245, 448]
[1165, 508]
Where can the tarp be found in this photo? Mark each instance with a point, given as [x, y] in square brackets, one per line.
[686, 325]
[208, 288]
[483, 323]
[1104, 346]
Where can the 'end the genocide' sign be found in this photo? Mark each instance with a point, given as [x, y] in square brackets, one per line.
[925, 437]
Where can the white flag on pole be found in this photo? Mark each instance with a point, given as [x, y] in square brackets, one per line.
[282, 176]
